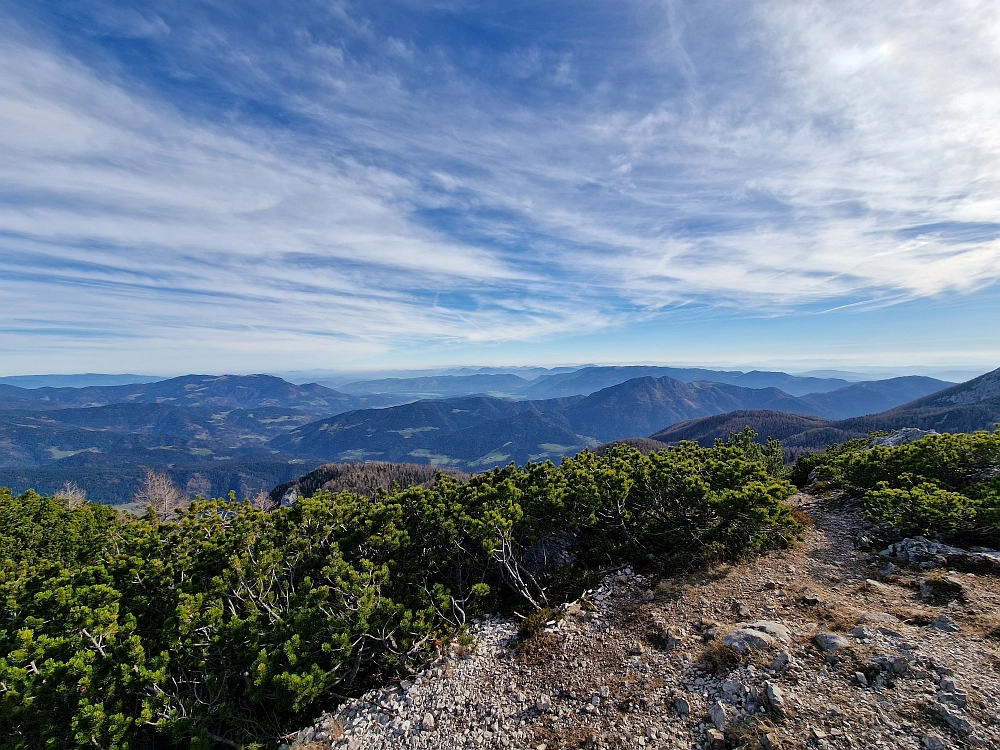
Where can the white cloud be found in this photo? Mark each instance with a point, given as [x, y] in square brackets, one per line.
[784, 168]
[146, 222]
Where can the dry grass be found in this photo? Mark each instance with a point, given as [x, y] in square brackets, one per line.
[838, 616]
[534, 645]
[989, 626]
[824, 488]
[540, 649]
[572, 737]
[671, 589]
[802, 517]
[913, 616]
[719, 658]
[749, 735]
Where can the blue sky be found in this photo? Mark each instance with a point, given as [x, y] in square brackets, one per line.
[225, 186]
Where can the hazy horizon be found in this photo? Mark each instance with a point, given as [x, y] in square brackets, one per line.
[333, 377]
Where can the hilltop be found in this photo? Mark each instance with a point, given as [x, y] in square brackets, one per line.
[842, 655]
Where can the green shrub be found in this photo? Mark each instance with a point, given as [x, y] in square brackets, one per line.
[231, 625]
[923, 509]
[941, 484]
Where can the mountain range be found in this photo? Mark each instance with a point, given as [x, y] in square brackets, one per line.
[209, 430]
[477, 432]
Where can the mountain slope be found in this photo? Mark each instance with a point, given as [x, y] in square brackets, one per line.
[400, 432]
[639, 406]
[765, 423]
[29, 438]
[478, 432]
[529, 436]
[872, 396]
[970, 406]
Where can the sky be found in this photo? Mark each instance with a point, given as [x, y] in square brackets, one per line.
[242, 186]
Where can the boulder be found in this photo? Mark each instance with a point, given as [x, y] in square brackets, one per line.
[672, 638]
[775, 629]
[862, 633]
[551, 552]
[782, 661]
[945, 623]
[878, 617]
[949, 692]
[717, 713]
[775, 698]
[831, 641]
[921, 551]
[900, 437]
[716, 739]
[733, 688]
[955, 718]
[742, 640]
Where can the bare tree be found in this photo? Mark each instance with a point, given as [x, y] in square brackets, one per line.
[159, 492]
[72, 495]
[263, 501]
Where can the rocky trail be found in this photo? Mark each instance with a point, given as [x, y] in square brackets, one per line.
[823, 645]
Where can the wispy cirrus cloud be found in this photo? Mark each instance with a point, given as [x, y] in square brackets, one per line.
[394, 173]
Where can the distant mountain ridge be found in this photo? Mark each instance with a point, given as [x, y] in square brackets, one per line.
[216, 391]
[76, 381]
[592, 379]
[871, 396]
[581, 381]
[442, 386]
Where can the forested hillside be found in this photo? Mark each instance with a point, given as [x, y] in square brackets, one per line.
[765, 423]
[363, 479]
[118, 484]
